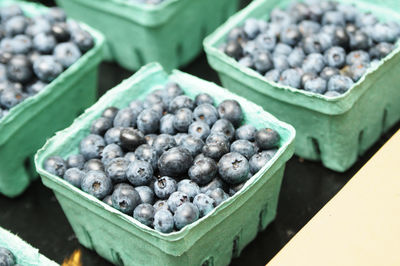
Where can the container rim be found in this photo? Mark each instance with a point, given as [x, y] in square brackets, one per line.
[283, 154]
[309, 100]
[34, 8]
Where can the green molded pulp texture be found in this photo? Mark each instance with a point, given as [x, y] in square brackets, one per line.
[334, 131]
[214, 239]
[170, 33]
[27, 126]
[24, 253]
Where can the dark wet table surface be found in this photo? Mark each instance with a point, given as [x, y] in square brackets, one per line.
[307, 186]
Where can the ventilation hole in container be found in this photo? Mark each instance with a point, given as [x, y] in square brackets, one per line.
[315, 144]
[384, 120]
[208, 262]
[139, 57]
[360, 141]
[88, 238]
[263, 213]
[117, 258]
[235, 248]
[179, 52]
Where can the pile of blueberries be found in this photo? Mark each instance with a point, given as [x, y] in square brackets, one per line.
[322, 47]
[6, 257]
[168, 160]
[34, 51]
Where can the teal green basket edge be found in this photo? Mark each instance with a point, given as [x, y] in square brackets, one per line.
[89, 58]
[25, 254]
[184, 238]
[312, 101]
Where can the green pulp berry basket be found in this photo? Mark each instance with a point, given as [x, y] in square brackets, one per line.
[332, 130]
[24, 253]
[215, 238]
[170, 33]
[25, 129]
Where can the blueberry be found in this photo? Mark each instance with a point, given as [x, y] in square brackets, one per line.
[328, 72]
[74, 176]
[107, 200]
[180, 102]
[117, 168]
[60, 31]
[171, 90]
[215, 183]
[15, 25]
[124, 118]
[131, 138]
[44, 43]
[236, 34]
[163, 221]
[91, 146]
[332, 94]
[215, 150]
[280, 16]
[144, 213]
[93, 165]
[357, 71]
[125, 198]
[56, 14]
[244, 147]
[273, 75]
[175, 162]
[296, 57]
[306, 77]
[11, 97]
[246, 132]
[334, 17]
[19, 69]
[258, 160]
[199, 129]
[314, 63]
[204, 203]
[153, 99]
[192, 144]
[97, 184]
[110, 112]
[167, 124]
[234, 189]
[67, 53]
[6, 257]
[9, 11]
[150, 138]
[182, 120]
[148, 121]
[206, 113]
[233, 168]
[290, 35]
[203, 171]
[231, 110]
[161, 205]
[46, 68]
[263, 61]
[381, 50]
[309, 27]
[177, 199]
[188, 187]
[359, 40]
[251, 28]
[317, 85]
[233, 49]
[75, 161]
[356, 57]
[140, 173]
[22, 44]
[340, 83]
[185, 214]
[83, 40]
[267, 138]
[341, 37]
[164, 187]
[335, 57]
[100, 126]
[110, 152]
[112, 135]
[291, 77]
[312, 44]
[365, 19]
[130, 156]
[38, 26]
[36, 87]
[179, 137]
[55, 165]
[146, 153]
[265, 42]
[225, 127]
[146, 194]
[218, 195]
[163, 143]
[203, 98]
[136, 107]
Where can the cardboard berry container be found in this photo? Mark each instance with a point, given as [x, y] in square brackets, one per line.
[27, 126]
[170, 33]
[213, 239]
[24, 253]
[332, 130]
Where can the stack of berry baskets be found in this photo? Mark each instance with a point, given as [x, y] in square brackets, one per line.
[318, 65]
[160, 152]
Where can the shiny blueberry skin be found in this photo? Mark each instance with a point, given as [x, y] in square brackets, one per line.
[83, 40]
[140, 173]
[60, 31]
[233, 168]
[74, 176]
[192, 144]
[359, 40]
[164, 187]
[55, 165]
[204, 203]
[148, 121]
[144, 213]
[176, 199]
[163, 221]
[185, 214]
[75, 161]
[97, 184]
[67, 53]
[163, 142]
[167, 124]
[190, 188]
[146, 194]
[179, 102]
[125, 198]
[340, 83]
[182, 120]
[46, 68]
[124, 118]
[267, 138]
[199, 129]
[203, 98]
[91, 146]
[218, 195]
[175, 162]
[231, 111]
[146, 153]
[19, 69]
[203, 170]
[233, 49]
[93, 165]
[246, 132]
[110, 112]
[317, 85]
[206, 113]
[112, 135]
[215, 150]
[290, 77]
[258, 160]
[263, 61]
[225, 127]
[244, 147]
[100, 126]
[131, 138]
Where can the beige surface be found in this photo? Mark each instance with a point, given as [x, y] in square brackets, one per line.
[360, 225]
